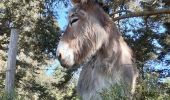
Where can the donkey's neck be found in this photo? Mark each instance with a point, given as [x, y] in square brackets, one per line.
[116, 54]
[104, 68]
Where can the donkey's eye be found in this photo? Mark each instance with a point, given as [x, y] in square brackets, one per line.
[74, 20]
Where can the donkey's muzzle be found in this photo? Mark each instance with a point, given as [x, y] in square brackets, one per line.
[65, 54]
[59, 57]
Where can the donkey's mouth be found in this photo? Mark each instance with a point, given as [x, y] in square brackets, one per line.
[63, 64]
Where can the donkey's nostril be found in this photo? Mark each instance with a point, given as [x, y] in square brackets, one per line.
[59, 56]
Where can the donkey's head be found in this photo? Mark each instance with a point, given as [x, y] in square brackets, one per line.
[85, 34]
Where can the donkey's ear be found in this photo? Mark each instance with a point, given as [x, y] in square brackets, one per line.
[76, 1]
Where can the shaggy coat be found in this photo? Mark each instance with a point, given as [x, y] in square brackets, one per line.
[92, 39]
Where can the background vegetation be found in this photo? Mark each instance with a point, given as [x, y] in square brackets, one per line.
[145, 25]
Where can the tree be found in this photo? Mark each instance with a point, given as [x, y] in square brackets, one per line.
[37, 42]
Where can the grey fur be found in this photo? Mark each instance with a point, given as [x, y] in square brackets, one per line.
[98, 44]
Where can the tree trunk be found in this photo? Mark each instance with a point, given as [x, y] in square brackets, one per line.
[11, 62]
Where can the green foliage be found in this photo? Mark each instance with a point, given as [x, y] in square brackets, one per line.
[5, 96]
[117, 92]
[150, 89]
[13, 96]
[38, 36]
[147, 89]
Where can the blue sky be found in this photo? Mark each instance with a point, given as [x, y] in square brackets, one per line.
[62, 18]
[62, 12]
[51, 68]
[62, 21]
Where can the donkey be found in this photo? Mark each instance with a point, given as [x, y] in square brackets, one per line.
[92, 39]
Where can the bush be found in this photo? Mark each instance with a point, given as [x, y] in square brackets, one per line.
[117, 92]
[147, 89]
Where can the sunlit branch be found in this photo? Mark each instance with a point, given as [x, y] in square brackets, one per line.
[143, 13]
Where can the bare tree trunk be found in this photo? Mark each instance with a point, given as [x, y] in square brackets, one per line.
[11, 62]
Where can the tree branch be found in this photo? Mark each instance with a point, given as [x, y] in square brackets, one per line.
[120, 11]
[144, 13]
